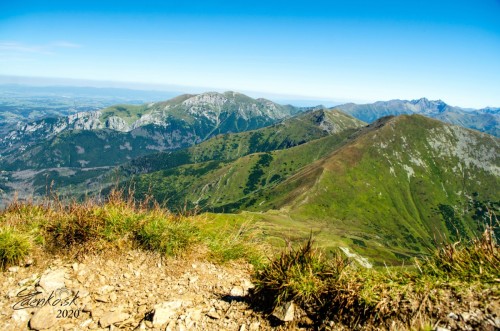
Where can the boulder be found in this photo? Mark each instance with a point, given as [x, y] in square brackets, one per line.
[52, 280]
[164, 311]
[44, 318]
[285, 312]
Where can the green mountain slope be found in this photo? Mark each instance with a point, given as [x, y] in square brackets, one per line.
[227, 186]
[86, 155]
[387, 190]
[288, 133]
[397, 187]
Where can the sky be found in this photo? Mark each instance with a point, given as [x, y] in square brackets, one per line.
[348, 50]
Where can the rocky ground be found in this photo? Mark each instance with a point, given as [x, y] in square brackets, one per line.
[138, 290]
[133, 291]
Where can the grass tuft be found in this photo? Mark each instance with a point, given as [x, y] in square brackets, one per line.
[478, 260]
[393, 298]
[14, 247]
[167, 236]
[298, 274]
[231, 243]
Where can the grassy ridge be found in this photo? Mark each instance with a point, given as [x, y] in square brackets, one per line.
[228, 147]
[396, 189]
[389, 191]
[228, 186]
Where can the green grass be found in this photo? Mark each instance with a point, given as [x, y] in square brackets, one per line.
[298, 275]
[168, 237]
[234, 239]
[326, 286]
[225, 186]
[129, 113]
[14, 246]
[119, 223]
[477, 261]
[353, 190]
[364, 188]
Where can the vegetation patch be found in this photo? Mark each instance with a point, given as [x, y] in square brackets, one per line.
[169, 237]
[118, 222]
[14, 246]
[457, 278]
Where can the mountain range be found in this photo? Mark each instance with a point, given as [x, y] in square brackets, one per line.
[387, 190]
[123, 132]
[485, 120]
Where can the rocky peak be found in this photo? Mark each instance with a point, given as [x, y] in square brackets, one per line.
[421, 101]
[211, 98]
[426, 106]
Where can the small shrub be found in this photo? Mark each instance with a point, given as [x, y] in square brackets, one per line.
[14, 247]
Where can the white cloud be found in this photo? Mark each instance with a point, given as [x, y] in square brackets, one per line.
[15, 47]
[65, 44]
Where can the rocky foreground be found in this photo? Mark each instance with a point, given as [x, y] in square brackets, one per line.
[136, 290]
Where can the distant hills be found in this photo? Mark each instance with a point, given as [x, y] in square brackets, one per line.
[485, 120]
[25, 103]
[69, 150]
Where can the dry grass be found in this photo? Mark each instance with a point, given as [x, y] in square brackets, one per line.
[458, 277]
[119, 222]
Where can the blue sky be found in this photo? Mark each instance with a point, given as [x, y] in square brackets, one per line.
[338, 50]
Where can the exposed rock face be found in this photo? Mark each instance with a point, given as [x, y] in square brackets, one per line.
[84, 121]
[209, 98]
[208, 105]
[118, 124]
[468, 148]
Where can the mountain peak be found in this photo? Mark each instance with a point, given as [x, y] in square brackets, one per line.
[213, 98]
[424, 102]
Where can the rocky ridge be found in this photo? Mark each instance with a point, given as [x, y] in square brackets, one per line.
[138, 290]
[209, 105]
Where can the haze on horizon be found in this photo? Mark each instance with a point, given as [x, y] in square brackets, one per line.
[336, 50]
